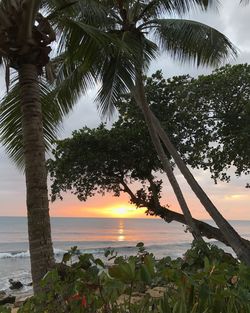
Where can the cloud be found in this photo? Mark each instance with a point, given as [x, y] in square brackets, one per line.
[85, 113]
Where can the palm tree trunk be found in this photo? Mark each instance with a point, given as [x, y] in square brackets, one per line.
[142, 103]
[40, 243]
[233, 238]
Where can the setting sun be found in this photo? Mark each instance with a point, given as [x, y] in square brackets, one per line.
[121, 211]
[124, 210]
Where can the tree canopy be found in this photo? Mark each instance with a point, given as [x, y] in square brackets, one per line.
[225, 96]
[207, 117]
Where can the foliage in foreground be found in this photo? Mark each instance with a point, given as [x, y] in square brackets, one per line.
[206, 280]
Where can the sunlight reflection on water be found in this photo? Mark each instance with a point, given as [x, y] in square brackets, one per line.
[121, 236]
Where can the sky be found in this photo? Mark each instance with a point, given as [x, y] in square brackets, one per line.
[233, 200]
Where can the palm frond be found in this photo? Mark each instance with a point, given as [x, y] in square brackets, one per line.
[150, 52]
[73, 80]
[55, 7]
[11, 124]
[156, 8]
[117, 70]
[117, 74]
[78, 69]
[187, 40]
[79, 34]
[82, 14]
[244, 2]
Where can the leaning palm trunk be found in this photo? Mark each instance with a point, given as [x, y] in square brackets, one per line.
[142, 103]
[40, 243]
[233, 238]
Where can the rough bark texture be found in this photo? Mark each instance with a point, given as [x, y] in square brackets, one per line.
[237, 243]
[141, 101]
[40, 243]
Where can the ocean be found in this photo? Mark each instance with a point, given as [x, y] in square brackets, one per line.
[94, 235]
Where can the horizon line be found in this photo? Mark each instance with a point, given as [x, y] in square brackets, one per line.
[100, 217]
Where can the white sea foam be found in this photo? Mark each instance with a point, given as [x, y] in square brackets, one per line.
[23, 254]
[59, 251]
[5, 255]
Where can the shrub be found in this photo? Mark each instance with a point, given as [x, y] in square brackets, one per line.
[206, 280]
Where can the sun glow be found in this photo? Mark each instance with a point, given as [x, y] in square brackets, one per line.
[121, 211]
[125, 211]
[103, 207]
[235, 197]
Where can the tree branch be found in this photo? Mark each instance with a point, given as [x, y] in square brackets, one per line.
[169, 216]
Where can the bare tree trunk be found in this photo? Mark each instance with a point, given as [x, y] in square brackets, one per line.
[142, 103]
[232, 237]
[40, 243]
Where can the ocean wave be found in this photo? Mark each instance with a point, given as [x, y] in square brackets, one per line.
[8, 255]
[59, 251]
[122, 249]
[25, 254]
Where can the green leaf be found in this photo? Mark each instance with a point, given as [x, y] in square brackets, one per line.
[149, 264]
[140, 245]
[99, 262]
[66, 257]
[192, 41]
[107, 253]
[124, 271]
[145, 275]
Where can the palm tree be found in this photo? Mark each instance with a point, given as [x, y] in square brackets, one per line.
[40, 93]
[25, 47]
[142, 28]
